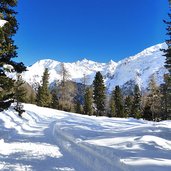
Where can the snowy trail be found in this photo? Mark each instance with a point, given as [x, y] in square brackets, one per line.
[94, 158]
[46, 139]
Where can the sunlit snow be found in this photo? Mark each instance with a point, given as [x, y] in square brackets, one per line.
[47, 139]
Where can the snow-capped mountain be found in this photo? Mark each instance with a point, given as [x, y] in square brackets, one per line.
[137, 69]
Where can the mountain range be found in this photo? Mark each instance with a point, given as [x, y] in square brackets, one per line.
[133, 70]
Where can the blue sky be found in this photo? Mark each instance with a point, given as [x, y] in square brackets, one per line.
[99, 30]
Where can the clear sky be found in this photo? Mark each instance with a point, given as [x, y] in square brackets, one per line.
[99, 30]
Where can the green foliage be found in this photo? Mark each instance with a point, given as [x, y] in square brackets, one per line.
[166, 97]
[136, 110]
[8, 50]
[88, 101]
[99, 93]
[112, 107]
[78, 107]
[19, 90]
[43, 95]
[167, 85]
[55, 100]
[128, 106]
[119, 108]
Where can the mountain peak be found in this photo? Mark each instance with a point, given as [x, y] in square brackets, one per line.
[149, 61]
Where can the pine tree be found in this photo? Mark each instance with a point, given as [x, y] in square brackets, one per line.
[99, 93]
[111, 112]
[78, 107]
[119, 109]
[19, 90]
[32, 98]
[167, 54]
[136, 104]
[44, 96]
[55, 100]
[166, 97]
[19, 94]
[128, 106]
[8, 52]
[88, 101]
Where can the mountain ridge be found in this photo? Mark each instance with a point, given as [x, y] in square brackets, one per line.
[137, 68]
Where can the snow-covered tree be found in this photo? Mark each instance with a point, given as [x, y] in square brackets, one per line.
[8, 51]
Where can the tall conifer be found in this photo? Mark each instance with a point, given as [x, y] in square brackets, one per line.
[88, 101]
[119, 108]
[44, 96]
[99, 93]
[136, 104]
[167, 54]
[8, 51]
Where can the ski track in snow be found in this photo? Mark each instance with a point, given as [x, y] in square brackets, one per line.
[47, 139]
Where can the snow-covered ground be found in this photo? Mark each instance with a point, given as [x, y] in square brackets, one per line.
[46, 139]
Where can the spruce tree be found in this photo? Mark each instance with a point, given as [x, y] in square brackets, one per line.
[119, 109]
[8, 51]
[78, 107]
[55, 100]
[136, 104]
[44, 96]
[19, 90]
[19, 94]
[88, 101]
[128, 106]
[112, 112]
[166, 97]
[167, 54]
[99, 94]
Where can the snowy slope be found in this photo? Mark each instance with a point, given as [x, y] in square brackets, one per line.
[46, 139]
[136, 68]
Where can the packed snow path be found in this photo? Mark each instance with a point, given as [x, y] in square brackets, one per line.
[46, 139]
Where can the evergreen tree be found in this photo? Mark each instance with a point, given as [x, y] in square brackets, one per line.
[166, 97]
[136, 110]
[167, 54]
[55, 100]
[111, 112]
[78, 107]
[88, 101]
[32, 98]
[99, 93]
[8, 52]
[19, 90]
[147, 113]
[119, 109]
[128, 106]
[19, 94]
[44, 96]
